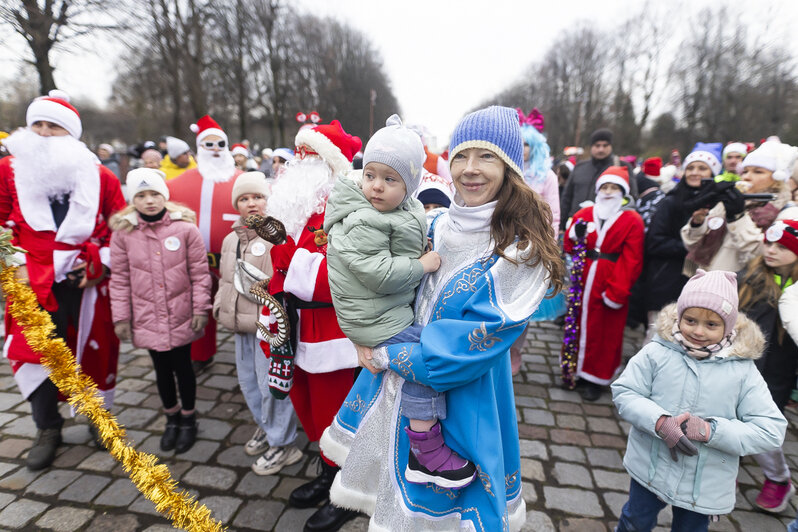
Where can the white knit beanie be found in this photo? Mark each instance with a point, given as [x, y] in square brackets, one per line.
[142, 179]
[249, 183]
[400, 148]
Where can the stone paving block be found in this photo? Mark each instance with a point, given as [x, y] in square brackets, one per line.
[77, 434]
[358, 524]
[757, 521]
[120, 493]
[605, 458]
[241, 434]
[152, 445]
[597, 410]
[294, 519]
[236, 457]
[73, 456]
[611, 479]
[134, 417]
[133, 384]
[221, 382]
[5, 499]
[615, 501]
[572, 501]
[229, 411]
[607, 425]
[142, 505]
[572, 475]
[5, 417]
[529, 493]
[286, 486]
[741, 503]
[22, 426]
[53, 481]
[608, 440]
[19, 513]
[213, 429]
[568, 453]
[531, 432]
[538, 522]
[539, 378]
[581, 525]
[19, 479]
[534, 449]
[7, 467]
[13, 447]
[9, 400]
[65, 518]
[532, 470]
[211, 477]
[570, 421]
[99, 461]
[570, 437]
[531, 402]
[85, 488]
[558, 394]
[200, 451]
[253, 485]
[565, 408]
[203, 406]
[222, 508]
[130, 398]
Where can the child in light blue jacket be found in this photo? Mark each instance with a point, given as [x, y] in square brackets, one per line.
[696, 404]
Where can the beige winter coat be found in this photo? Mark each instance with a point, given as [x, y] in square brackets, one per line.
[231, 309]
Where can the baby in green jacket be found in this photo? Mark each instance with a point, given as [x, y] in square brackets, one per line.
[377, 234]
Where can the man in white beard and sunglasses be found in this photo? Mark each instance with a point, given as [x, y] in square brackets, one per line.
[57, 197]
[206, 190]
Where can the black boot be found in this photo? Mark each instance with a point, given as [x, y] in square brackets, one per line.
[186, 433]
[328, 518]
[169, 438]
[42, 453]
[590, 391]
[317, 490]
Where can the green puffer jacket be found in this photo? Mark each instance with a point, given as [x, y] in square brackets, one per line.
[372, 263]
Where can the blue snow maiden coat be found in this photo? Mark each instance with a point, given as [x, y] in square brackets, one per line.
[473, 309]
[726, 389]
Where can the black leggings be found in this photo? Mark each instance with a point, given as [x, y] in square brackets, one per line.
[170, 364]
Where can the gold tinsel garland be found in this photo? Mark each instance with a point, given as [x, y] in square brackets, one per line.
[152, 479]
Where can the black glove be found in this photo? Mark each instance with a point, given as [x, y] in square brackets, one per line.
[732, 199]
[580, 229]
[706, 198]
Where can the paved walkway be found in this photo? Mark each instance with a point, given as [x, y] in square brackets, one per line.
[571, 458]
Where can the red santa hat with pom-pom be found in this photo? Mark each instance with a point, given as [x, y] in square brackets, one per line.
[332, 143]
[55, 108]
[207, 126]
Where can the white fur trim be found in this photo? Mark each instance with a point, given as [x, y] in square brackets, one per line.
[518, 517]
[349, 498]
[105, 256]
[209, 131]
[240, 150]
[50, 111]
[326, 356]
[63, 262]
[29, 376]
[19, 257]
[615, 179]
[302, 273]
[735, 147]
[609, 302]
[332, 449]
[325, 148]
[205, 211]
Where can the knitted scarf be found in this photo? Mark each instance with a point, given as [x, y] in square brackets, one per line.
[707, 351]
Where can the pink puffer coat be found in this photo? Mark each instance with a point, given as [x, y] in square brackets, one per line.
[159, 276]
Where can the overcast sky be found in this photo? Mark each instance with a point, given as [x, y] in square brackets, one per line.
[443, 57]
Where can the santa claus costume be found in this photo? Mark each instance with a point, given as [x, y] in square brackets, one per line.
[206, 190]
[324, 359]
[57, 198]
[613, 263]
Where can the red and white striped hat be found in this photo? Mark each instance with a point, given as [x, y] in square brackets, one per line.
[55, 108]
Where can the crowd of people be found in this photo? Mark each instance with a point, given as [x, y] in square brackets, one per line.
[380, 297]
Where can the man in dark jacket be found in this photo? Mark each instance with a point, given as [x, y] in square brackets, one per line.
[581, 185]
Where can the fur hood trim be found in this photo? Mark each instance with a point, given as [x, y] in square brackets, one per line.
[749, 343]
[127, 219]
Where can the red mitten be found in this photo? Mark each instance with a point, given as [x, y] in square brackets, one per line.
[697, 429]
[282, 255]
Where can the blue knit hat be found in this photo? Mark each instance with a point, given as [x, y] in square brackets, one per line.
[494, 128]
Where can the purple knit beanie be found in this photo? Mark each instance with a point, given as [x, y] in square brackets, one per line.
[716, 291]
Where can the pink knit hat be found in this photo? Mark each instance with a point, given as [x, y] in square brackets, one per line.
[716, 291]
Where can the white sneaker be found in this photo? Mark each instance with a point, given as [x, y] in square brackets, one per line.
[257, 444]
[276, 458]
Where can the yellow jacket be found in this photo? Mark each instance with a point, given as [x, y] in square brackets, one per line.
[172, 170]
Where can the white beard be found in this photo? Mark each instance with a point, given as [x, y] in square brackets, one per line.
[49, 166]
[607, 205]
[301, 190]
[215, 169]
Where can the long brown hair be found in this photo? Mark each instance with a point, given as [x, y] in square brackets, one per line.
[522, 215]
[758, 283]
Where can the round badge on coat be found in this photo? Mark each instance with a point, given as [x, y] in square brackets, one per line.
[715, 223]
[172, 243]
[258, 249]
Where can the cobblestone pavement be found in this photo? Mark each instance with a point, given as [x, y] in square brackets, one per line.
[571, 458]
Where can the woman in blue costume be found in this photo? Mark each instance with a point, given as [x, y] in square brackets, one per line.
[498, 259]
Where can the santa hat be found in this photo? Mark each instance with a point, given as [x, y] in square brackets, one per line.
[239, 149]
[652, 166]
[207, 126]
[707, 153]
[785, 232]
[332, 143]
[734, 147]
[142, 179]
[617, 175]
[55, 108]
[250, 183]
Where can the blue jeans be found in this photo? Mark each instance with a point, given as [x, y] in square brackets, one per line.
[418, 401]
[793, 527]
[274, 416]
[640, 513]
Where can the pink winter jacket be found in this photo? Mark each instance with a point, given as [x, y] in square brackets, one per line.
[159, 276]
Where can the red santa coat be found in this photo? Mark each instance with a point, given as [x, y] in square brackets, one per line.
[325, 357]
[82, 236]
[215, 217]
[607, 284]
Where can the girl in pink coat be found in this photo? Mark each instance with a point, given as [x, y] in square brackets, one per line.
[161, 293]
